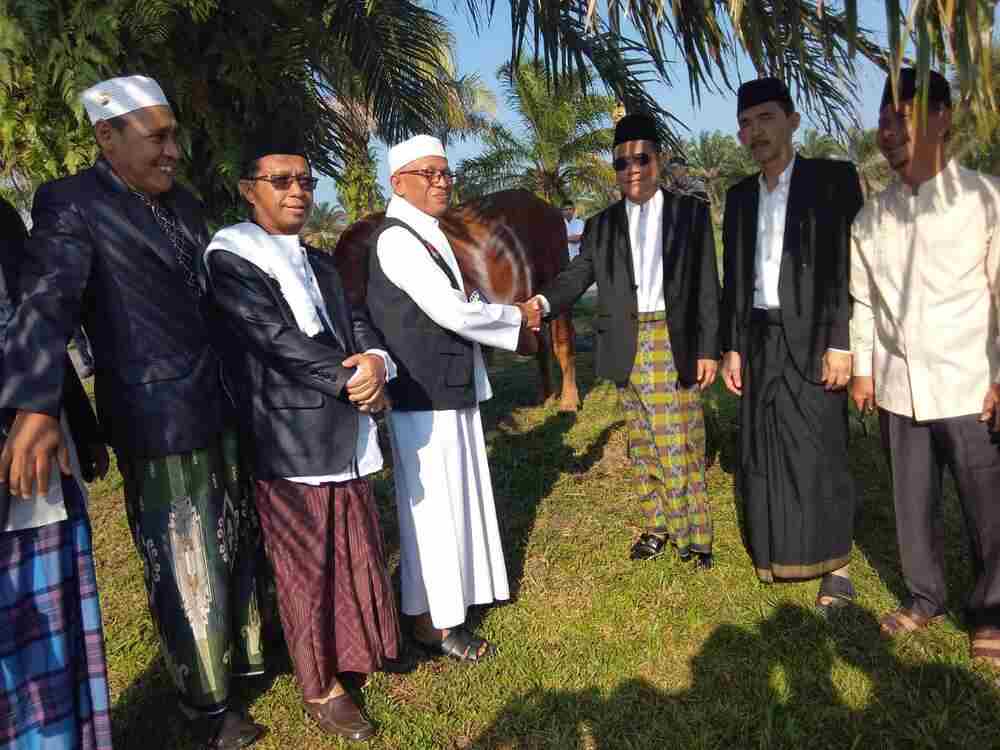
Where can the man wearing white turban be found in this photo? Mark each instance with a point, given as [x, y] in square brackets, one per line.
[118, 247]
[451, 555]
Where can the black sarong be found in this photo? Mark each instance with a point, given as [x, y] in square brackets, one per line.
[798, 494]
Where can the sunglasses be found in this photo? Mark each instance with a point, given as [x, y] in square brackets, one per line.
[621, 163]
[284, 181]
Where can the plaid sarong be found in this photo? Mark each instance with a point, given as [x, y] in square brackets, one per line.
[666, 438]
[53, 680]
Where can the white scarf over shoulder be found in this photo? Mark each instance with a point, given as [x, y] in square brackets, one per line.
[277, 255]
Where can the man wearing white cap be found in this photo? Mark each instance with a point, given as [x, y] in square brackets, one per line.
[117, 247]
[451, 555]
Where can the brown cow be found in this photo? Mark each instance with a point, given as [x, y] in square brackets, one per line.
[509, 245]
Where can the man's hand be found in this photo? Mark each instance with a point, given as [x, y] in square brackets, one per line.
[732, 372]
[991, 408]
[366, 385]
[27, 455]
[863, 393]
[377, 405]
[532, 313]
[95, 463]
[836, 369]
[707, 369]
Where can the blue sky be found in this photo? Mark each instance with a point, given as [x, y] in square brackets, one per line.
[487, 51]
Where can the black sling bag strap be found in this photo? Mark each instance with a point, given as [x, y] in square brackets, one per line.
[435, 255]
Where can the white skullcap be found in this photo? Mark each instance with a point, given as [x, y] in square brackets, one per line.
[119, 96]
[415, 148]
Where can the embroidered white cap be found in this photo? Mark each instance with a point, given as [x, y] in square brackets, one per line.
[415, 148]
[119, 96]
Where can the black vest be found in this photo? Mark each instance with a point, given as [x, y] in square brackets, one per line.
[435, 365]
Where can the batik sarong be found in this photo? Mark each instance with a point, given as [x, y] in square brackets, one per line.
[53, 677]
[196, 529]
[794, 480]
[338, 609]
[666, 442]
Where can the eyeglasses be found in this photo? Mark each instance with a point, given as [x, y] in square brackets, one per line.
[621, 163]
[433, 175]
[284, 181]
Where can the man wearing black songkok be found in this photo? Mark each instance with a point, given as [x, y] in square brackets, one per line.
[786, 239]
[651, 247]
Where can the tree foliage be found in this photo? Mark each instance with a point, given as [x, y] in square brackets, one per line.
[565, 147]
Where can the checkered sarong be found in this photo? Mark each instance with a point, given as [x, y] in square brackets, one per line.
[666, 436]
[53, 680]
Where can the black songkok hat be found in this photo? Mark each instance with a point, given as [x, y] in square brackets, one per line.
[272, 139]
[939, 91]
[752, 93]
[636, 127]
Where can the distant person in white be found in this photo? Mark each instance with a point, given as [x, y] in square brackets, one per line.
[574, 229]
[451, 554]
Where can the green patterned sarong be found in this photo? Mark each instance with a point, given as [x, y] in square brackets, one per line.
[196, 529]
[666, 439]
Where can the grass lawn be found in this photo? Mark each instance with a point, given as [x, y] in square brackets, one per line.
[600, 652]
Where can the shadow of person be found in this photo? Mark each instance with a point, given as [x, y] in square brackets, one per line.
[792, 681]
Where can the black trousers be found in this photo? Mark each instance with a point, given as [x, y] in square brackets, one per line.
[918, 452]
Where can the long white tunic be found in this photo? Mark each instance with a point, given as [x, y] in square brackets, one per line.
[451, 555]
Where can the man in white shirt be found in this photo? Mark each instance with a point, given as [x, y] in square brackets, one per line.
[574, 229]
[647, 250]
[450, 547]
[925, 279]
[306, 372]
[785, 320]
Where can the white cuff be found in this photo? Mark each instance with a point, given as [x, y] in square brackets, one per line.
[546, 307]
[390, 366]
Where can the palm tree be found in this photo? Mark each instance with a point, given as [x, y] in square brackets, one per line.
[860, 146]
[975, 140]
[817, 145]
[326, 223]
[564, 150]
[719, 161]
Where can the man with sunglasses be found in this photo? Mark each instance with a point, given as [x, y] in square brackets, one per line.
[652, 255]
[307, 372]
[786, 240]
[451, 555]
[117, 247]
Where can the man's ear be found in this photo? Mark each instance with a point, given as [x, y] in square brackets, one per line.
[103, 134]
[795, 119]
[246, 191]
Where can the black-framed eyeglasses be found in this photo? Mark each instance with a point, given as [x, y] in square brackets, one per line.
[621, 163]
[284, 181]
[432, 175]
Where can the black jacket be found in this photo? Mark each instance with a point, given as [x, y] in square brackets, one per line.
[289, 389]
[83, 425]
[96, 254]
[813, 286]
[690, 287]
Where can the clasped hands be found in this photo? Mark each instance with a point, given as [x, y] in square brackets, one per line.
[366, 388]
[532, 312]
[835, 373]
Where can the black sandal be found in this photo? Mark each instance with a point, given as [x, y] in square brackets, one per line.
[462, 645]
[648, 547]
[839, 589]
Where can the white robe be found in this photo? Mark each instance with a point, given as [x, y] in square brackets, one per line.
[451, 554]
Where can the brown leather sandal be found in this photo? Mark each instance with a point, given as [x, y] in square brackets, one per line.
[905, 620]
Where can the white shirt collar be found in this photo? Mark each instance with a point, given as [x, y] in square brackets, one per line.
[783, 179]
[400, 208]
[655, 202]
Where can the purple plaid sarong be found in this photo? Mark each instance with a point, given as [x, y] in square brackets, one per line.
[53, 675]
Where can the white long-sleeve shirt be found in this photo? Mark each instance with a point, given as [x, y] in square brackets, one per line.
[645, 234]
[772, 209]
[925, 278]
[407, 264]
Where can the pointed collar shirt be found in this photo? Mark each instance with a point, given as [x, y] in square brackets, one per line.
[772, 209]
[645, 233]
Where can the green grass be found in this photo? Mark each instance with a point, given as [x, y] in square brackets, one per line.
[600, 652]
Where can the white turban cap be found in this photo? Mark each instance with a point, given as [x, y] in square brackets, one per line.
[415, 148]
[118, 96]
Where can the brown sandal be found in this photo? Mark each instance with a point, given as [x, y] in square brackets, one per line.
[905, 620]
[984, 645]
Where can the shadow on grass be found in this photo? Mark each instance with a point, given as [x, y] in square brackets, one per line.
[774, 686]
